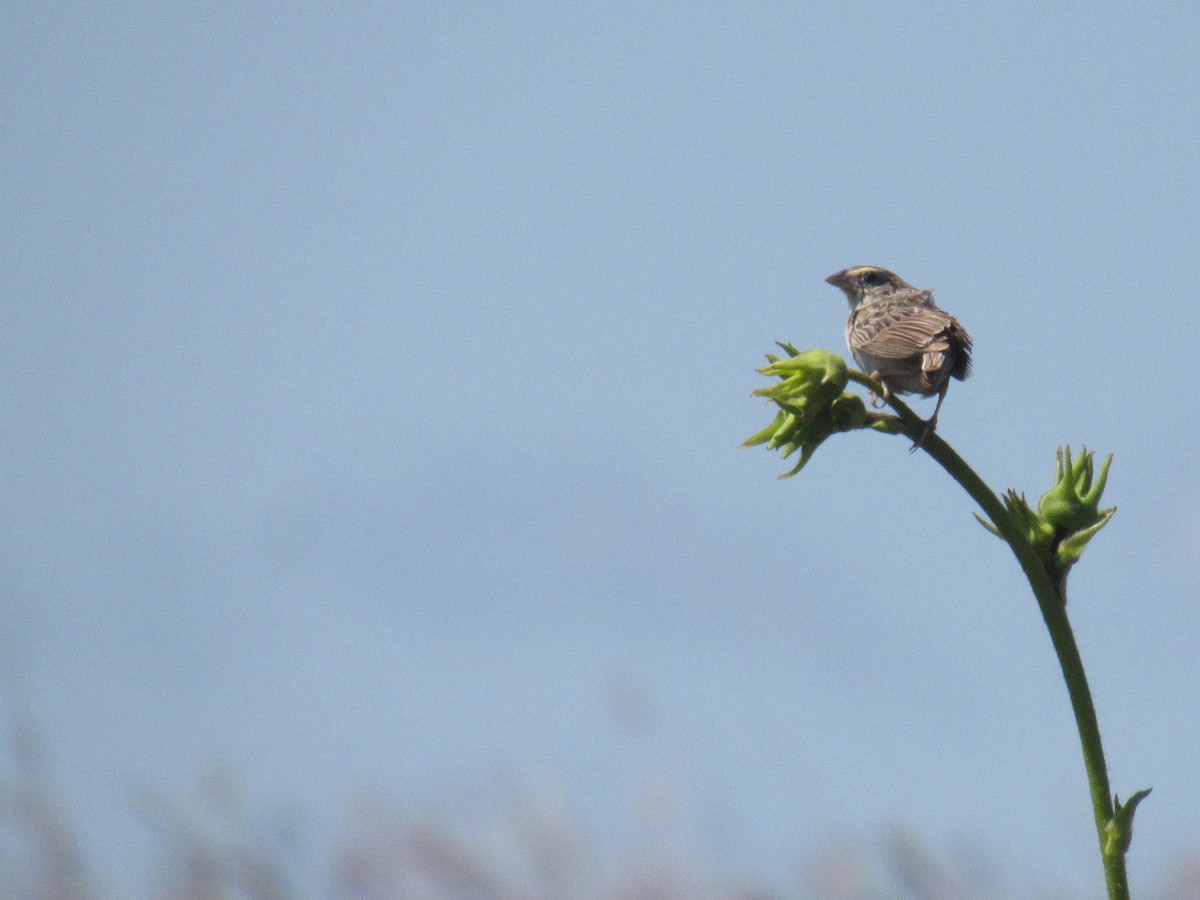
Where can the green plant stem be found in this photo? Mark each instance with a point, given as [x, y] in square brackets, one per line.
[1053, 604]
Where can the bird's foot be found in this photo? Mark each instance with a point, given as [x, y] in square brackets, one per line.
[929, 429]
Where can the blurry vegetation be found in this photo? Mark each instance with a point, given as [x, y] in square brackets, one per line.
[493, 846]
[218, 846]
[39, 852]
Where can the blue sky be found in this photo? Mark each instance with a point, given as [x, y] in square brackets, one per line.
[374, 379]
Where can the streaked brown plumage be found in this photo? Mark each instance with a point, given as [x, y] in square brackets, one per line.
[900, 337]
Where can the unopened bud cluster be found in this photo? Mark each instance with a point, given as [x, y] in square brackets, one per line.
[812, 400]
[1067, 516]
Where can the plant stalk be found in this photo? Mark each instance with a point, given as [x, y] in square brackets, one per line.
[1052, 601]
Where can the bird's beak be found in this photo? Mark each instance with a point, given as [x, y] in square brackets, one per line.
[839, 279]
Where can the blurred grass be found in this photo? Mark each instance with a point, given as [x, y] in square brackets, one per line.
[504, 845]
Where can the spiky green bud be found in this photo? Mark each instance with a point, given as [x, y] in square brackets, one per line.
[1073, 503]
[812, 403]
[1068, 515]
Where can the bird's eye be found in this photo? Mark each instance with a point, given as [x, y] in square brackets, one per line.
[872, 279]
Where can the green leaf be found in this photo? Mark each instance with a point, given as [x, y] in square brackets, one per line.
[1118, 831]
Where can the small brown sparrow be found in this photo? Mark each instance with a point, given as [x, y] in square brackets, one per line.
[900, 338]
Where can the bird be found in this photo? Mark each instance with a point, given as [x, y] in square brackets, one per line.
[901, 338]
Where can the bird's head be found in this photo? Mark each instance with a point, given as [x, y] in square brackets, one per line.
[862, 284]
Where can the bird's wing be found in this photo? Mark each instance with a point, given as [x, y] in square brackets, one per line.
[918, 331]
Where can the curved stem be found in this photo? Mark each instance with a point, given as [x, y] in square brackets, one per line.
[1053, 604]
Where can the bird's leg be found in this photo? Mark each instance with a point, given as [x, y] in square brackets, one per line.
[878, 402]
[931, 425]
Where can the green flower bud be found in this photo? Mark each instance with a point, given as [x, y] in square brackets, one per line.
[849, 412]
[810, 381]
[1073, 503]
[812, 400]
[1068, 515]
